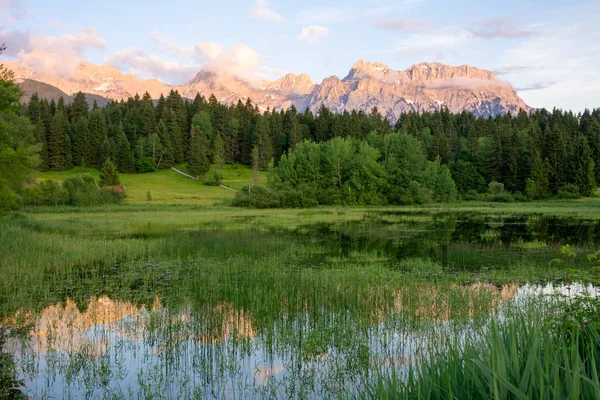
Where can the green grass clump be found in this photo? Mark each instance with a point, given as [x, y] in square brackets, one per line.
[540, 353]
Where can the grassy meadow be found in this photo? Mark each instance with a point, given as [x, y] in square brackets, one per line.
[169, 187]
[180, 298]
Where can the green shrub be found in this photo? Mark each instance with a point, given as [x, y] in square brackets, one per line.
[145, 164]
[256, 197]
[111, 196]
[472, 195]
[8, 199]
[569, 191]
[505, 197]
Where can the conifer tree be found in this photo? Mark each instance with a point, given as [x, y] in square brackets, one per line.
[255, 165]
[57, 138]
[583, 167]
[79, 141]
[265, 145]
[79, 107]
[123, 156]
[231, 141]
[106, 150]
[219, 154]
[166, 158]
[97, 137]
[198, 161]
[109, 175]
[155, 146]
[147, 115]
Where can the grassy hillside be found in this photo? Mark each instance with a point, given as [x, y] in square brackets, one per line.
[169, 187]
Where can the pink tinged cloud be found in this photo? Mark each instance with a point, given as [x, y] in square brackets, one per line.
[402, 24]
[500, 29]
[240, 61]
[13, 10]
[15, 41]
[59, 55]
[147, 66]
[313, 33]
[464, 84]
[262, 11]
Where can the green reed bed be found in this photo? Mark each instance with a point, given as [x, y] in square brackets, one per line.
[218, 303]
[547, 349]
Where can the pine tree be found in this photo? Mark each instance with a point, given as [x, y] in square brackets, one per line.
[583, 167]
[176, 137]
[97, 137]
[219, 155]
[106, 150]
[57, 138]
[255, 165]
[265, 145]
[197, 161]
[155, 146]
[539, 177]
[79, 141]
[231, 141]
[147, 115]
[123, 156]
[108, 175]
[79, 107]
[166, 158]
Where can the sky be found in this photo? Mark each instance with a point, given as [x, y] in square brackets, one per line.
[548, 50]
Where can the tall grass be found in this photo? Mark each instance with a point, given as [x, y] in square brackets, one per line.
[520, 355]
[200, 301]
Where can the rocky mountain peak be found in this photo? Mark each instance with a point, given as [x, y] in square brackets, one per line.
[361, 69]
[436, 71]
[298, 84]
[421, 87]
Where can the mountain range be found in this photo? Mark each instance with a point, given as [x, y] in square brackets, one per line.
[421, 87]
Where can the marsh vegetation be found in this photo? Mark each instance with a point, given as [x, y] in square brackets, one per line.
[176, 302]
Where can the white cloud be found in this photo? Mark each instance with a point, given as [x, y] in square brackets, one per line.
[240, 61]
[16, 41]
[145, 66]
[335, 14]
[262, 11]
[502, 28]
[59, 55]
[410, 25]
[169, 46]
[13, 10]
[430, 44]
[563, 63]
[464, 83]
[313, 33]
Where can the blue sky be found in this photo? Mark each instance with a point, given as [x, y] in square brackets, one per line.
[549, 50]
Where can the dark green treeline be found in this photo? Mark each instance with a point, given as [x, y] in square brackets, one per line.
[537, 154]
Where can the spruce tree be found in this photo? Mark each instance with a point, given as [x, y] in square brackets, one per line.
[255, 165]
[79, 107]
[166, 158]
[57, 138]
[583, 167]
[79, 142]
[219, 155]
[123, 156]
[265, 145]
[109, 175]
[197, 161]
[231, 141]
[97, 137]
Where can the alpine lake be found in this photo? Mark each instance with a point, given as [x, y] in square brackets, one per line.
[201, 302]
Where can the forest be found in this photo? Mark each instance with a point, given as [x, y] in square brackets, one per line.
[361, 158]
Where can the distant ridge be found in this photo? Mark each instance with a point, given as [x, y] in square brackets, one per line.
[422, 87]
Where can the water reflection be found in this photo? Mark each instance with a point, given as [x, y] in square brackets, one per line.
[115, 348]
